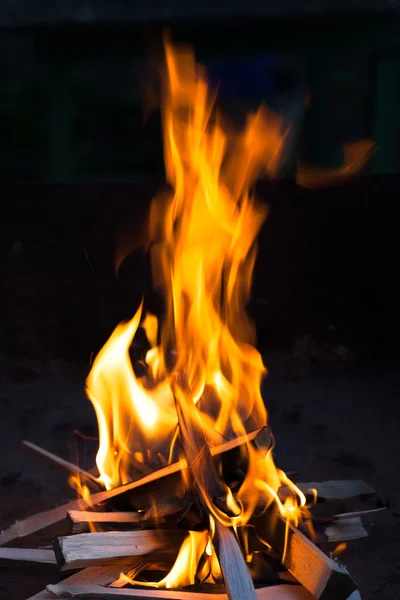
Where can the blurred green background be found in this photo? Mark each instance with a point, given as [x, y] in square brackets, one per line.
[71, 102]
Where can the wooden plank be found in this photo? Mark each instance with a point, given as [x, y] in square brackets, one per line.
[104, 548]
[27, 556]
[63, 464]
[324, 578]
[335, 496]
[48, 525]
[278, 592]
[340, 489]
[345, 530]
[98, 575]
[237, 579]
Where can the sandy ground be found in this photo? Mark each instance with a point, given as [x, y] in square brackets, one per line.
[342, 426]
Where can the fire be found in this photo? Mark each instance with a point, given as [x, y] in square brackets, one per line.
[207, 230]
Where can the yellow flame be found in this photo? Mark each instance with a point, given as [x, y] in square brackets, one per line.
[205, 231]
[130, 417]
[340, 548]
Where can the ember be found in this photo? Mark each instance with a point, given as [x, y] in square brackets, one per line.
[191, 499]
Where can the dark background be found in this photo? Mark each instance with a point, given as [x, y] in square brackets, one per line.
[77, 163]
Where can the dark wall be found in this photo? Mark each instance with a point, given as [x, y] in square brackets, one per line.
[327, 266]
[71, 97]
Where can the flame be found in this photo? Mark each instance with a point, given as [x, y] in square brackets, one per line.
[205, 231]
[340, 548]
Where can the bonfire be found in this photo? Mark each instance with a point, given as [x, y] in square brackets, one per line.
[186, 501]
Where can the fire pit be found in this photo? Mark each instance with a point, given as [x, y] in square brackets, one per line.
[186, 501]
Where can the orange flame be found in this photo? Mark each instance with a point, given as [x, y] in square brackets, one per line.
[207, 230]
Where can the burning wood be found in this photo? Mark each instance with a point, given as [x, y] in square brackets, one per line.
[44, 527]
[96, 549]
[202, 519]
[81, 519]
[208, 486]
[320, 575]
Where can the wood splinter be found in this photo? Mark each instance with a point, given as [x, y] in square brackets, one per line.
[64, 464]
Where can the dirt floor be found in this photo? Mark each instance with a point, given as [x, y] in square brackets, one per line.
[327, 425]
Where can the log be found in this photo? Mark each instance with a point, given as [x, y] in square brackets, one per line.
[98, 575]
[46, 526]
[105, 548]
[27, 556]
[237, 579]
[278, 592]
[324, 578]
[71, 468]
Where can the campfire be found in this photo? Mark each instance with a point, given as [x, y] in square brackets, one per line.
[186, 501]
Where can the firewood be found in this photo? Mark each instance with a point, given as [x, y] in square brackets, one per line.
[71, 468]
[97, 575]
[345, 530]
[41, 528]
[324, 578]
[46, 526]
[278, 592]
[27, 556]
[350, 515]
[80, 519]
[334, 496]
[104, 548]
[238, 582]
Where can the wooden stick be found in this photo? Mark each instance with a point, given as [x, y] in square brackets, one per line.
[47, 525]
[27, 556]
[238, 582]
[41, 528]
[278, 592]
[64, 464]
[80, 519]
[324, 578]
[97, 575]
[104, 548]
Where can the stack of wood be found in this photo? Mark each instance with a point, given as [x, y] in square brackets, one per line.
[137, 530]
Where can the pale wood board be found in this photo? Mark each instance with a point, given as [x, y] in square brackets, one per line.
[279, 592]
[338, 489]
[324, 578]
[345, 530]
[28, 555]
[95, 549]
[99, 575]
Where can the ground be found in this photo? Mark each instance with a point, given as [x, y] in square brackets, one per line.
[328, 424]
